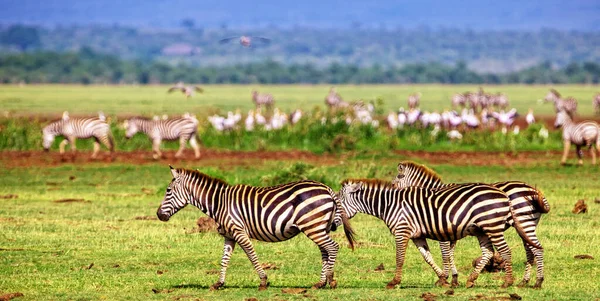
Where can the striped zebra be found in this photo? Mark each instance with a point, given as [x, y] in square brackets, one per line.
[83, 128]
[500, 100]
[333, 100]
[262, 99]
[585, 133]
[596, 103]
[568, 104]
[270, 214]
[183, 128]
[527, 202]
[446, 214]
[414, 100]
[459, 100]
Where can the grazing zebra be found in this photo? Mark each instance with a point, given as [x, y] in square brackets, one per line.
[585, 133]
[568, 104]
[262, 99]
[183, 128]
[527, 202]
[73, 128]
[414, 100]
[188, 91]
[596, 103]
[446, 214]
[334, 100]
[270, 214]
[459, 100]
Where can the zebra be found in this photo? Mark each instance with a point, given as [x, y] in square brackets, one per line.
[183, 128]
[73, 128]
[584, 133]
[414, 100]
[459, 100]
[596, 103]
[270, 214]
[499, 100]
[446, 214]
[262, 99]
[333, 100]
[527, 202]
[568, 104]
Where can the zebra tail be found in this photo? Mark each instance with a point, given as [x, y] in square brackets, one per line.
[541, 202]
[348, 231]
[520, 230]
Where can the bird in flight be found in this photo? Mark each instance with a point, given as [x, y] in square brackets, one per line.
[188, 91]
[246, 41]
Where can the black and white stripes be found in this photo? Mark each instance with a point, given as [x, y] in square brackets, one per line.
[83, 128]
[582, 134]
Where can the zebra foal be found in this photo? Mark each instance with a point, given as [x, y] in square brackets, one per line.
[446, 214]
[83, 128]
[585, 133]
[270, 214]
[183, 128]
[527, 202]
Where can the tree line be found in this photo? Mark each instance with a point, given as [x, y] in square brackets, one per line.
[90, 67]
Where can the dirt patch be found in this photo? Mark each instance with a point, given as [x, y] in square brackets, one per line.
[580, 207]
[584, 256]
[380, 267]
[163, 291]
[71, 201]
[9, 196]
[145, 218]
[148, 191]
[462, 158]
[206, 224]
[10, 296]
[293, 291]
[269, 266]
[497, 297]
[428, 296]
[495, 265]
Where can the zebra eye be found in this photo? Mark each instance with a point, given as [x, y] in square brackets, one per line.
[400, 176]
[168, 189]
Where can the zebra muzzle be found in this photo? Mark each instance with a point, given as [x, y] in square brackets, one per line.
[162, 216]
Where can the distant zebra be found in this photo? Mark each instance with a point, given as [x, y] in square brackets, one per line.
[499, 100]
[262, 99]
[585, 133]
[183, 128]
[446, 214]
[270, 214]
[568, 104]
[596, 103]
[459, 100]
[527, 202]
[83, 128]
[414, 100]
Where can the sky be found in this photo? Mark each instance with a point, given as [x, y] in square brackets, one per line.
[477, 15]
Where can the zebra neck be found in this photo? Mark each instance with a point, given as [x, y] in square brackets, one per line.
[375, 201]
[55, 128]
[207, 193]
[146, 126]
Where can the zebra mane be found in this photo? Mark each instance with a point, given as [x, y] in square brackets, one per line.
[422, 169]
[196, 174]
[555, 92]
[371, 183]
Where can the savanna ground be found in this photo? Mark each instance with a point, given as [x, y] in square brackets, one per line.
[81, 229]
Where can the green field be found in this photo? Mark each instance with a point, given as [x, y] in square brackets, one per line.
[47, 247]
[129, 100]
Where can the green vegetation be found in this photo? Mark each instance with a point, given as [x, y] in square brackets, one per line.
[104, 248]
[88, 67]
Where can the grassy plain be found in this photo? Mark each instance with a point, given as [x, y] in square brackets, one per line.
[98, 250]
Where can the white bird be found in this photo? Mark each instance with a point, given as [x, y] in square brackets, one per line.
[529, 117]
[392, 120]
[260, 119]
[402, 118]
[454, 134]
[250, 121]
[217, 122]
[413, 116]
[435, 118]
[296, 116]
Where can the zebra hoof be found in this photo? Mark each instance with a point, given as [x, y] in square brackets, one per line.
[506, 284]
[333, 284]
[538, 283]
[470, 284]
[392, 284]
[455, 280]
[442, 281]
[319, 285]
[523, 283]
[216, 286]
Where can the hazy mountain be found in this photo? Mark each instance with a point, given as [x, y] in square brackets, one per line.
[478, 15]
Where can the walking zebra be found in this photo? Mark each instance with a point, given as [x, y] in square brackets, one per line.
[270, 214]
[73, 128]
[568, 104]
[446, 214]
[596, 103]
[527, 202]
[262, 99]
[183, 128]
[585, 133]
[414, 100]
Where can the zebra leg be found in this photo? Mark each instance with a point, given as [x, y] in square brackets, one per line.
[401, 244]
[96, 149]
[453, 264]
[329, 250]
[487, 251]
[447, 250]
[61, 147]
[194, 144]
[156, 149]
[579, 155]
[423, 247]
[528, 265]
[539, 260]
[227, 251]
[566, 148]
[593, 153]
[500, 244]
[182, 142]
[247, 246]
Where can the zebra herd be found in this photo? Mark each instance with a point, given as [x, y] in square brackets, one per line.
[415, 206]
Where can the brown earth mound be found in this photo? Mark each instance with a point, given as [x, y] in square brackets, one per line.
[580, 207]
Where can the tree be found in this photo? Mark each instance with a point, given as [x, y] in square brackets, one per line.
[25, 37]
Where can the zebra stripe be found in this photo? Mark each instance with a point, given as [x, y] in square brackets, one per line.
[270, 214]
[414, 100]
[445, 214]
[585, 133]
[184, 128]
[527, 202]
[568, 104]
[459, 99]
[262, 99]
[83, 128]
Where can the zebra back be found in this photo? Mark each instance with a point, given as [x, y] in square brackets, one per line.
[169, 129]
[579, 133]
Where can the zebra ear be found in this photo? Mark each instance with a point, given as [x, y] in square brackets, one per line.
[354, 187]
[400, 167]
[173, 172]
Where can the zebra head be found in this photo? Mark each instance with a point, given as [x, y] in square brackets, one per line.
[552, 96]
[561, 118]
[131, 128]
[48, 137]
[176, 197]
[348, 195]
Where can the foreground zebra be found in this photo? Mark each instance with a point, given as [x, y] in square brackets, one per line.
[83, 128]
[262, 99]
[527, 202]
[183, 128]
[446, 214]
[585, 133]
[270, 214]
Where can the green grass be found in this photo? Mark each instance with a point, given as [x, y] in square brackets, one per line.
[47, 247]
[52, 100]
